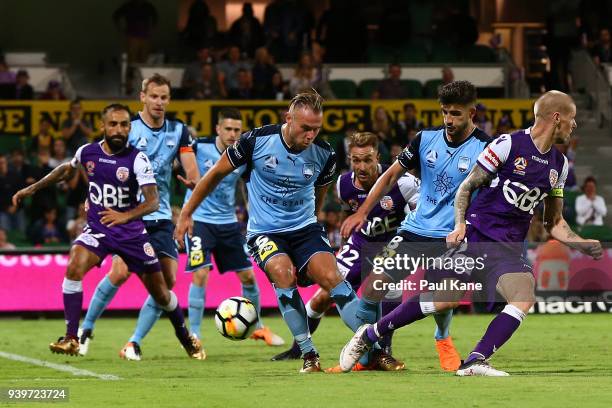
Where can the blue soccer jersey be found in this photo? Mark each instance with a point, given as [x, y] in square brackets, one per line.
[281, 181]
[161, 145]
[218, 207]
[442, 166]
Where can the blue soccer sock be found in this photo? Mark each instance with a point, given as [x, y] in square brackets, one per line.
[443, 321]
[347, 304]
[251, 292]
[293, 310]
[367, 310]
[149, 313]
[197, 300]
[105, 292]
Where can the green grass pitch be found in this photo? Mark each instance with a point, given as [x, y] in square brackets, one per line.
[554, 361]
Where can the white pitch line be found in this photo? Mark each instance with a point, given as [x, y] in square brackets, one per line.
[58, 367]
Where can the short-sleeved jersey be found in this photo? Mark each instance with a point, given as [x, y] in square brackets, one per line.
[524, 177]
[114, 182]
[281, 181]
[442, 166]
[386, 216]
[218, 207]
[161, 145]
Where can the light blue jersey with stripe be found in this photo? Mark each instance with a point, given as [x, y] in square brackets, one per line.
[442, 165]
[281, 181]
[218, 207]
[161, 145]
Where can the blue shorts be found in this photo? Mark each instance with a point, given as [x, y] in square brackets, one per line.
[224, 241]
[161, 235]
[299, 245]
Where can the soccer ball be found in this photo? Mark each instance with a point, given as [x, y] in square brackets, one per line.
[236, 318]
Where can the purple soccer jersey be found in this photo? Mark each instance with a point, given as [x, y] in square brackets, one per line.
[524, 177]
[382, 221]
[114, 183]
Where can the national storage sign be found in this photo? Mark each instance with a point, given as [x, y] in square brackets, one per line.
[21, 118]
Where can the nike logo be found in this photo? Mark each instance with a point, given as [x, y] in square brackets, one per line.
[494, 348]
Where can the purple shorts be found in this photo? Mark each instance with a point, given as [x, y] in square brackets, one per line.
[348, 259]
[137, 252]
[499, 258]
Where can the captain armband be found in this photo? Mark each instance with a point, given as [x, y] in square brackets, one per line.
[556, 192]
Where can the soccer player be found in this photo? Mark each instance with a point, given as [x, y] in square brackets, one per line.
[442, 157]
[382, 222]
[116, 172]
[216, 230]
[162, 140]
[514, 174]
[289, 172]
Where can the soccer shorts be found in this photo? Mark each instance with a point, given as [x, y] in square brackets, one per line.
[224, 241]
[498, 258]
[161, 233]
[136, 251]
[299, 246]
[414, 246]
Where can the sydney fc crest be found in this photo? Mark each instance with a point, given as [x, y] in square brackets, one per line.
[308, 170]
[464, 164]
[553, 176]
[122, 174]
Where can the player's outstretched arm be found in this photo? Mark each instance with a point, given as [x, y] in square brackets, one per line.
[477, 178]
[201, 190]
[110, 217]
[192, 174]
[560, 230]
[382, 186]
[62, 172]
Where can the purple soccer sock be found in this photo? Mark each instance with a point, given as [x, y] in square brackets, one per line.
[73, 303]
[387, 307]
[178, 322]
[406, 313]
[499, 331]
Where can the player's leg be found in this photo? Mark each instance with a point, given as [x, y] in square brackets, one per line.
[82, 259]
[197, 299]
[271, 254]
[250, 290]
[162, 242]
[199, 261]
[374, 287]
[519, 291]
[166, 299]
[409, 311]
[322, 269]
[103, 295]
[315, 310]
[151, 311]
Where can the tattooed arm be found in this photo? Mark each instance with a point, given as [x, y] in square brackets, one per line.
[478, 177]
[62, 172]
[558, 228]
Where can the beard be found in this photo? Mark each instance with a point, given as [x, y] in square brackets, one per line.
[115, 143]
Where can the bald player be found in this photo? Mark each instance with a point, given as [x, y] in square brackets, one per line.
[514, 174]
